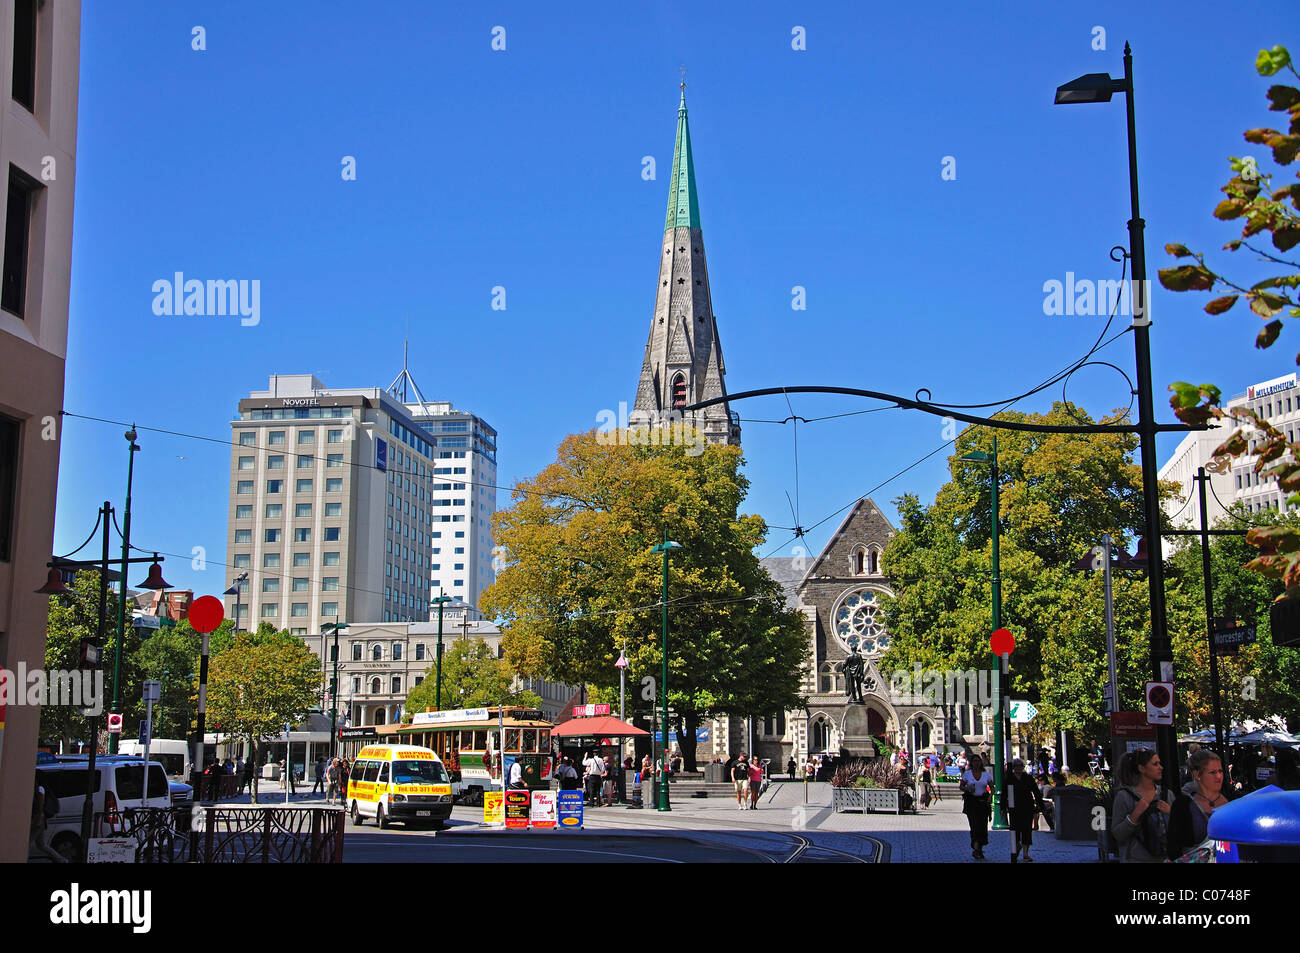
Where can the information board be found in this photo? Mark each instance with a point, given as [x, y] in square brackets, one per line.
[494, 808]
[517, 804]
[569, 809]
[541, 812]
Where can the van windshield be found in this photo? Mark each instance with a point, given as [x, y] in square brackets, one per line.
[418, 772]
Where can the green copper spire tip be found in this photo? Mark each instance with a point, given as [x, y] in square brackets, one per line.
[683, 201]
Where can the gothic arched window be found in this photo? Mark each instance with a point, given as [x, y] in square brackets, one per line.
[679, 392]
[859, 561]
[873, 562]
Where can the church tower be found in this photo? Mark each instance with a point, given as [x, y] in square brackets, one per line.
[683, 359]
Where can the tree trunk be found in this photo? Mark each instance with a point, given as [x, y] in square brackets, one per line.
[686, 739]
[252, 756]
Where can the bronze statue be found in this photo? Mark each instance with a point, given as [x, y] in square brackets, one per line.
[854, 668]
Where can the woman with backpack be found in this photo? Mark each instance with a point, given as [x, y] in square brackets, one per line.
[1140, 822]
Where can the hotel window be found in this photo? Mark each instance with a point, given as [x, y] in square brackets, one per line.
[271, 584]
[334, 460]
[272, 536]
[275, 462]
[333, 509]
[246, 438]
[306, 461]
[298, 609]
[330, 559]
[418, 680]
[458, 582]
[419, 651]
[334, 436]
[244, 487]
[302, 535]
[301, 510]
[388, 570]
[301, 560]
[274, 486]
[334, 485]
[298, 633]
[244, 511]
[397, 684]
[397, 651]
[245, 463]
[303, 486]
[274, 511]
[275, 438]
[329, 608]
[243, 536]
[301, 584]
[23, 87]
[18, 220]
[330, 584]
[270, 609]
[375, 684]
[306, 437]
[331, 534]
[270, 560]
[242, 561]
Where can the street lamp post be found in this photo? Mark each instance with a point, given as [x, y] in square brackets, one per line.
[1001, 712]
[116, 707]
[442, 599]
[665, 547]
[334, 627]
[1098, 88]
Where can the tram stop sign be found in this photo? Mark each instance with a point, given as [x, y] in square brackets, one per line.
[1002, 642]
[206, 614]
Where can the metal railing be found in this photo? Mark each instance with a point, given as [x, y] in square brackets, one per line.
[211, 834]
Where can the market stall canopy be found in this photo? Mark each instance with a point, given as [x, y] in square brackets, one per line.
[602, 726]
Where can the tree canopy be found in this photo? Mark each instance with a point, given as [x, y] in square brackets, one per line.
[580, 580]
[472, 677]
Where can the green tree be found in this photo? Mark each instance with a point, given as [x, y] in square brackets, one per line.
[472, 677]
[262, 682]
[580, 581]
[71, 619]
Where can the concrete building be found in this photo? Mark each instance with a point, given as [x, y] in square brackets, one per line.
[331, 507]
[379, 664]
[40, 51]
[1196, 450]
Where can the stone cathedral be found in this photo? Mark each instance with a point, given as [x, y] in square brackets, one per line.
[838, 590]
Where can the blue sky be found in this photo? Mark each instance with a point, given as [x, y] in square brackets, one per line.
[522, 168]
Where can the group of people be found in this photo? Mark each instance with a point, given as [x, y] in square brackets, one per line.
[335, 779]
[1151, 825]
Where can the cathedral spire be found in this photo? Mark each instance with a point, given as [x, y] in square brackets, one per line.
[683, 359]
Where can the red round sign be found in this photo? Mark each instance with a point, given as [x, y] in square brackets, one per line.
[206, 613]
[1002, 642]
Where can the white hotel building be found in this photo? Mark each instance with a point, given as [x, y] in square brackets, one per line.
[1278, 401]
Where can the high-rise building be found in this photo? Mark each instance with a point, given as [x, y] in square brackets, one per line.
[683, 357]
[464, 499]
[332, 508]
[38, 148]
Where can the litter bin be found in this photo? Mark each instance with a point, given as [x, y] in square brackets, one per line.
[1262, 827]
[715, 774]
[1073, 807]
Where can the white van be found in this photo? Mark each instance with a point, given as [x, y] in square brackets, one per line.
[119, 785]
[173, 755]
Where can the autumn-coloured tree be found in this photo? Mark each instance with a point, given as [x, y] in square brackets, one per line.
[472, 677]
[580, 581]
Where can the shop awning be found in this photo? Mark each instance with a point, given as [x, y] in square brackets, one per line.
[602, 726]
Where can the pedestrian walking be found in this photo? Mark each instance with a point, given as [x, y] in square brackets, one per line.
[332, 781]
[246, 779]
[1141, 819]
[790, 768]
[607, 782]
[1044, 761]
[594, 774]
[1190, 817]
[976, 785]
[923, 796]
[1023, 803]
[213, 776]
[567, 775]
[755, 783]
[740, 777]
[44, 806]
[345, 774]
[319, 786]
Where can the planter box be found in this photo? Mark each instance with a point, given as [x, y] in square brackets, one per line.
[866, 800]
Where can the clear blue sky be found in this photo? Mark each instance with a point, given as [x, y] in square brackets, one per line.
[819, 168]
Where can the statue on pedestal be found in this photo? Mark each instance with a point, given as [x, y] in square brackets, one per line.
[854, 668]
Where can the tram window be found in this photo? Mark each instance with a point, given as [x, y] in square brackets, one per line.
[544, 740]
[512, 739]
[480, 741]
[530, 739]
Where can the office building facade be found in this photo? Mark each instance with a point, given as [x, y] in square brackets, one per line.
[38, 146]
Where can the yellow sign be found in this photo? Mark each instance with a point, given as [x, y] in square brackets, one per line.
[494, 807]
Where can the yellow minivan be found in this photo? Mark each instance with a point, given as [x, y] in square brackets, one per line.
[399, 782]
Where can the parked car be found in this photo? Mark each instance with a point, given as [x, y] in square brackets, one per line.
[119, 785]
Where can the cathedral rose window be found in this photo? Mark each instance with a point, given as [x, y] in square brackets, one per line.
[858, 614]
